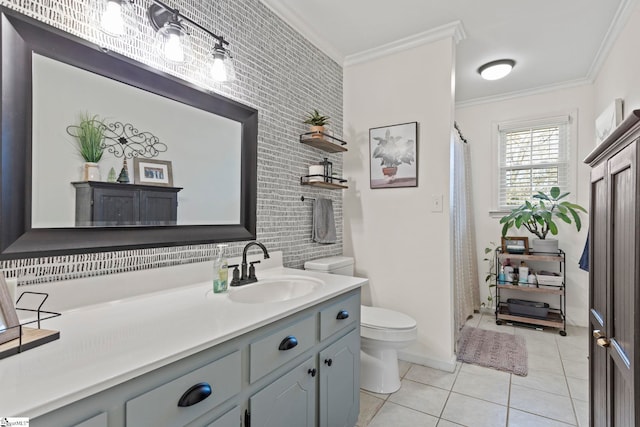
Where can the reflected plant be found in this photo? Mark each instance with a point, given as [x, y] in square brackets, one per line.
[89, 134]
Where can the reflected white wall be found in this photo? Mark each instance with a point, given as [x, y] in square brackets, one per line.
[204, 148]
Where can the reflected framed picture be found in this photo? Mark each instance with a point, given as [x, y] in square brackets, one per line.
[608, 120]
[9, 323]
[152, 172]
[515, 245]
[393, 156]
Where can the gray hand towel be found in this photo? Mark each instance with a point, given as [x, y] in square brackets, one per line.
[323, 229]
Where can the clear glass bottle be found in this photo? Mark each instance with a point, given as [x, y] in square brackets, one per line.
[220, 270]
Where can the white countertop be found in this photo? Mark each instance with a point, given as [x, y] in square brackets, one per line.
[109, 342]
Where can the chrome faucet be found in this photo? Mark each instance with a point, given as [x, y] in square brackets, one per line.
[250, 276]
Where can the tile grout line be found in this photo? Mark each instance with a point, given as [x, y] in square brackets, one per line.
[450, 391]
[566, 380]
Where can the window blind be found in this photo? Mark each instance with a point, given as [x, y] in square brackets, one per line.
[533, 158]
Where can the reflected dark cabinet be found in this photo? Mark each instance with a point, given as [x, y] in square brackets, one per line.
[112, 204]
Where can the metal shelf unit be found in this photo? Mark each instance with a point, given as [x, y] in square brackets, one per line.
[556, 318]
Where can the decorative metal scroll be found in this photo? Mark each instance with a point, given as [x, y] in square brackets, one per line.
[125, 140]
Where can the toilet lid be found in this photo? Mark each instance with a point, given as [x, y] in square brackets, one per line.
[381, 318]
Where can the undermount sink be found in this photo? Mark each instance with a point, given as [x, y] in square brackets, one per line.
[275, 289]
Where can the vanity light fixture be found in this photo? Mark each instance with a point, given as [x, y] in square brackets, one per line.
[496, 70]
[219, 63]
[115, 18]
[173, 40]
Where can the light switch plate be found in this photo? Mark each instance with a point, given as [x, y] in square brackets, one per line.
[436, 203]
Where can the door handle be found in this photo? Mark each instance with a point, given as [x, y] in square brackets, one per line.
[601, 339]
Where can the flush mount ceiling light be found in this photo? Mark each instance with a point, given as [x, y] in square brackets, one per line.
[495, 70]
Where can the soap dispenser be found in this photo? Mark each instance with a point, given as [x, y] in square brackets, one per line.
[220, 270]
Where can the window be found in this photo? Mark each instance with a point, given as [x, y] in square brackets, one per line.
[533, 156]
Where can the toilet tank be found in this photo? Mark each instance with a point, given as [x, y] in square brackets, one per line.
[335, 265]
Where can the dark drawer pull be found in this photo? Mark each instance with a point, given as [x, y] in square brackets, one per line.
[343, 314]
[288, 343]
[328, 362]
[195, 394]
[312, 372]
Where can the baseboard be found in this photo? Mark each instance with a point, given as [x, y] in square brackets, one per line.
[443, 365]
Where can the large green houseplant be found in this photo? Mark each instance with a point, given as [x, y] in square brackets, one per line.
[539, 217]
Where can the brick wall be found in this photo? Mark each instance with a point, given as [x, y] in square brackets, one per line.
[279, 73]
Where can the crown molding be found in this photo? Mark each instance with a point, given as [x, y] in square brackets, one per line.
[296, 22]
[617, 25]
[454, 29]
[527, 92]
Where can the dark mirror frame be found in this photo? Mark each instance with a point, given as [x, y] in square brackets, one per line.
[22, 36]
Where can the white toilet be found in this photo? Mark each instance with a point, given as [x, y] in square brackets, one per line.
[382, 333]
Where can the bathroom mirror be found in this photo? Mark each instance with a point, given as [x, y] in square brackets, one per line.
[211, 142]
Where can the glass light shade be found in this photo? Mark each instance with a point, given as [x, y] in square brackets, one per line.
[496, 70]
[115, 18]
[220, 66]
[173, 43]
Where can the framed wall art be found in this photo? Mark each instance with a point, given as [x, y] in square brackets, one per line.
[608, 120]
[515, 245]
[152, 172]
[393, 156]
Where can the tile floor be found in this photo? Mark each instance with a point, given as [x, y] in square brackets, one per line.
[553, 394]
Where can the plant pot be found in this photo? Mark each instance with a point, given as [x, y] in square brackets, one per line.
[91, 172]
[317, 131]
[544, 246]
[390, 172]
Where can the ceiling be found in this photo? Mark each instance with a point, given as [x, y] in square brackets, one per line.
[554, 43]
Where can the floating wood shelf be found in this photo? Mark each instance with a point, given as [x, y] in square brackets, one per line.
[323, 142]
[323, 184]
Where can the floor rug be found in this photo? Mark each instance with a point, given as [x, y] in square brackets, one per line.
[498, 350]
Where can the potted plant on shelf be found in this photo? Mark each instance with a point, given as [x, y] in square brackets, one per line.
[538, 218]
[392, 152]
[89, 134]
[317, 122]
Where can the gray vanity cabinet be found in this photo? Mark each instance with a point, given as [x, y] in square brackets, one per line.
[288, 401]
[112, 204]
[339, 401]
[253, 382]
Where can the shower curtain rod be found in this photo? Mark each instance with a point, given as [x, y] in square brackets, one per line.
[455, 125]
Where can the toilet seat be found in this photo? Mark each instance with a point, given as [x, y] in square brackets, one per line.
[382, 318]
[382, 324]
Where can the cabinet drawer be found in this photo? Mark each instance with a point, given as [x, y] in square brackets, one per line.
[338, 316]
[99, 420]
[230, 419]
[160, 405]
[267, 355]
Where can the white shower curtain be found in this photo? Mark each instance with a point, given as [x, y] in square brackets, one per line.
[466, 290]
